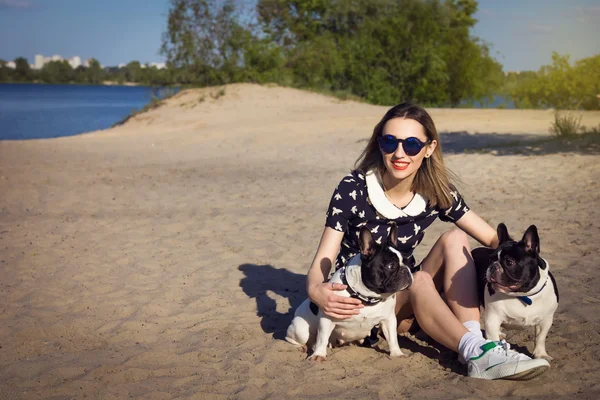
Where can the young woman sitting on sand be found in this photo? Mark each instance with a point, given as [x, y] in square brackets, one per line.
[400, 177]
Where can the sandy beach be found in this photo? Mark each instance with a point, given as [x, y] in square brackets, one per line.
[164, 258]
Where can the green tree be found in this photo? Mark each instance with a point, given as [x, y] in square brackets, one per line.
[22, 71]
[385, 51]
[94, 74]
[558, 85]
[588, 82]
[133, 71]
[5, 75]
[208, 42]
[80, 74]
[57, 72]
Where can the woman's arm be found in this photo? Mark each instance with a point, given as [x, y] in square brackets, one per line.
[323, 293]
[473, 225]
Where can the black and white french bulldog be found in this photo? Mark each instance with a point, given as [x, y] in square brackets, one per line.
[373, 276]
[516, 287]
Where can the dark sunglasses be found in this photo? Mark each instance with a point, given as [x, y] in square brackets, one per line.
[411, 145]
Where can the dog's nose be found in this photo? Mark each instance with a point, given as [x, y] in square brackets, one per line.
[497, 267]
[405, 272]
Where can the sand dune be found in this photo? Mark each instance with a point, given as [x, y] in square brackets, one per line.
[163, 258]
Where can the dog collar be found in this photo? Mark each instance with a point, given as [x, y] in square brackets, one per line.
[367, 301]
[527, 299]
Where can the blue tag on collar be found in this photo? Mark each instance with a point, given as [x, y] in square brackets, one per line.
[525, 300]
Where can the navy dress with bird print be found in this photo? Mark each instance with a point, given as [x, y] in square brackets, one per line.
[359, 200]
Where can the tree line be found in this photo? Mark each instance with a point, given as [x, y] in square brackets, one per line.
[561, 85]
[382, 51]
[61, 72]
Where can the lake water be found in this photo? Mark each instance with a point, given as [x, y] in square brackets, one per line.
[30, 111]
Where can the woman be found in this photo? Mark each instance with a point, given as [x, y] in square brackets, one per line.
[400, 178]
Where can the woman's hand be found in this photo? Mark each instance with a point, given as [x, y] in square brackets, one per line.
[334, 306]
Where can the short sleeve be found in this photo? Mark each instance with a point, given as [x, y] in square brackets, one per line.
[344, 203]
[456, 210]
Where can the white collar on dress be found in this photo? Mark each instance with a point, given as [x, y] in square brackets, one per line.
[385, 207]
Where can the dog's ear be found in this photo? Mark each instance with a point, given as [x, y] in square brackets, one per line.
[393, 237]
[367, 244]
[502, 233]
[531, 240]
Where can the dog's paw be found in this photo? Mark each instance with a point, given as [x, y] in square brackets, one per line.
[545, 356]
[397, 354]
[317, 358]
[303, 349]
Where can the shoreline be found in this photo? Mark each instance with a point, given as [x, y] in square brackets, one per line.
[185, 103]
[467, 106]
[104, 83]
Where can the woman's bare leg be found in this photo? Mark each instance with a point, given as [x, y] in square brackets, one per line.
[433, 315]
[448, 267]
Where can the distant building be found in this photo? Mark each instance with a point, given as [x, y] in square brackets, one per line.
[75, 62]
[11, 64]
[39, 62]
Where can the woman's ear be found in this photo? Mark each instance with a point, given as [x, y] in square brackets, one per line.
[431, 148]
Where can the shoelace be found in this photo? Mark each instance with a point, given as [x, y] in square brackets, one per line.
[505, 346]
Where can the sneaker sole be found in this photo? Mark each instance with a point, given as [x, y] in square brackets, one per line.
[529, 374]
[508, 373]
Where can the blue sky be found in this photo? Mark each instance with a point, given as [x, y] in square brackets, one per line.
[522, 33]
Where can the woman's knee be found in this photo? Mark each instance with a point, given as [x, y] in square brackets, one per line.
[421, 279]
[455, 238]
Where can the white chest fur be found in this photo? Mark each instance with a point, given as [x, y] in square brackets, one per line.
[308, 328]
[514, 312]
[359, 326]
[511, 312]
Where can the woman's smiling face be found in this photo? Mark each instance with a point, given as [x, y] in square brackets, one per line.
[398, 164]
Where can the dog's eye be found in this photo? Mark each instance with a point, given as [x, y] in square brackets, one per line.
[390, 266]
[510, 263]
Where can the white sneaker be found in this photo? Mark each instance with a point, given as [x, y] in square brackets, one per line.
[498, 361]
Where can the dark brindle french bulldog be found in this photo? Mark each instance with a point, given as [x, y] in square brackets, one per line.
[516, 287]
[373, 276]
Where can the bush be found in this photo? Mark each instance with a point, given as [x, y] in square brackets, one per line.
[565, 125]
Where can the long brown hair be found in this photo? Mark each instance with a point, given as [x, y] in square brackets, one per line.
[433, 178]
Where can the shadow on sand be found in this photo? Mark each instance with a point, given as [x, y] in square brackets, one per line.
[502, 144]
[261, 279]
[508, 144]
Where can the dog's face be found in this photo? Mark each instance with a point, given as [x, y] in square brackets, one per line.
[382, 267]
[514, 266]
